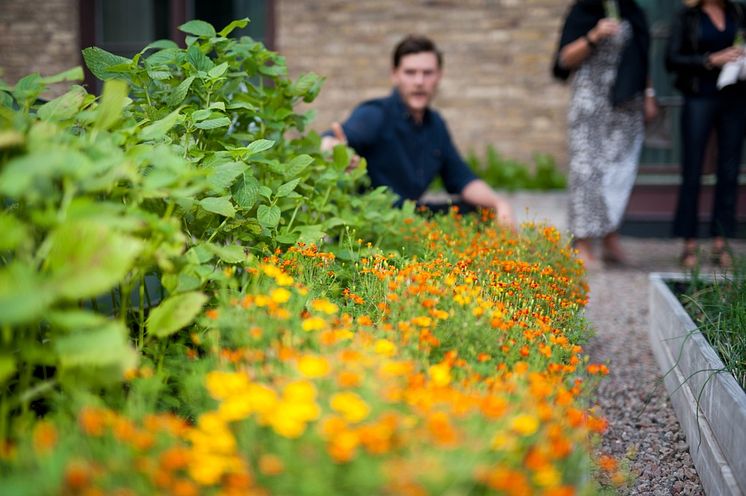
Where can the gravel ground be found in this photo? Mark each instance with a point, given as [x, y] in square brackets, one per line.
[643, 429]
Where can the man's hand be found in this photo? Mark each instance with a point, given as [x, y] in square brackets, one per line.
[478, 193]
[504, 214]
[329, 142]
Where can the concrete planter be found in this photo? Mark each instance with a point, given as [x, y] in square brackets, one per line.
[710, 405]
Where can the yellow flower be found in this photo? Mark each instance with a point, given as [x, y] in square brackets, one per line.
[284, 280]
[525, 424]
[325, 306]
[440, 374]
[440, 314]
[312, 366]
[235, 408]
[422, 321]
[280, 295]
[261, 301]
[286, 424]
[503, 442]
[351, 406]
[313, 324]
[299, 391]
[223, 385]
[271, 270]
[385, 347]
[548, 477]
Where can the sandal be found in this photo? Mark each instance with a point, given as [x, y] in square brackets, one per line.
[689, 258]
[722, 258]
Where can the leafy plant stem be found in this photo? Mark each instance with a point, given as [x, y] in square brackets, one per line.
[216, 231]
[292, 219]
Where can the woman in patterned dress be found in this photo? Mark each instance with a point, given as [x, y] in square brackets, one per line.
[611, 99]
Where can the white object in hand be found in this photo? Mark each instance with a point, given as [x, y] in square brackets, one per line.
[732, 72]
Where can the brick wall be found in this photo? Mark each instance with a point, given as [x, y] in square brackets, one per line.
[38, 37]
[497, 87]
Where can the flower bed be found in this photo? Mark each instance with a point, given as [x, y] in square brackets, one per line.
[709, 403]
[405, 356]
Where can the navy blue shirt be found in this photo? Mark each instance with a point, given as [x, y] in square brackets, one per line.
[404, 155]
[712, 40]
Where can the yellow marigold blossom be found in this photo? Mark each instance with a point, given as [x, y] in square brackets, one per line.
[351, 406]
[207, 469]
[548, 477]
[223, 385]
[313, 324]
[385, 347]
[312, 366]
[284, 280]
[325, 306]
[261, 301]
[525, 424]
[440, 314]
[235, 408]
[271, 270]
[395, 369]
[422, 321]
[280, 295]
[286, 422]
[502, 441]
[440, 374]
[299, 391]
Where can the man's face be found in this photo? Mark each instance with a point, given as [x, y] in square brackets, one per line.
[417, 79]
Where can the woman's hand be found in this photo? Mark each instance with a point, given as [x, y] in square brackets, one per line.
[650, 109]
[604, 28]
[722, 57]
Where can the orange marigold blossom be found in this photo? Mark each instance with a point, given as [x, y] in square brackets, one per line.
[44, 437]
[270, 464]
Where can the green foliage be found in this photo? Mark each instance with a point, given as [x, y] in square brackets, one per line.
[719, 309]
[509, 174]
[191, 161]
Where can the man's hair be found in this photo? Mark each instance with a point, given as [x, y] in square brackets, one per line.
[415, 44]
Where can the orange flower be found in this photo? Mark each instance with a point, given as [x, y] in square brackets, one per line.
[77, 475]
[44, 437]
[271, 465]
[93, 420]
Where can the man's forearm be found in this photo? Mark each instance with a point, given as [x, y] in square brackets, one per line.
[478, 193]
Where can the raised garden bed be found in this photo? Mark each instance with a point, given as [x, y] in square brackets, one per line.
[709, 403]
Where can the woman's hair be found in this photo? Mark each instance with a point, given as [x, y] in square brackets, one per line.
[692, 3]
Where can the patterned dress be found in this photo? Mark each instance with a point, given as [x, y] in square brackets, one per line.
[604, 143]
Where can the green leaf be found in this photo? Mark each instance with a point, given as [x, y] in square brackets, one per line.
[297, 165]
[228, 254]
[213, 123]
[14, 232]
[10, 138]
[7, 368]
[265, 191]
[218, 70]
[160, 45]
[159, 128]
[113, 100]
[310, 234]
[268, 216]
[200, 115]
[63, 107]
[103, 346]
[77, 320]
[246, 192]
[20, 175]
[159, 75]
[287, 188]
[223, 175]
[237, 24]
[23, 295]
[89, 258]
[99, 61]
[180, 92]
[259, 145]
[199, 60]
[74, 74]
[222, 206]
[174, 313]
[307, 86]
[28, 88]
[198, 28]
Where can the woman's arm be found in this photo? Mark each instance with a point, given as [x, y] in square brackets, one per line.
[574, 53]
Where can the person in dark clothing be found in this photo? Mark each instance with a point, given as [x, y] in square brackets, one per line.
[701, 43]
[405, 143]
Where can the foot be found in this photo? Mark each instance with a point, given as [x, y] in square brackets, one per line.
[722, 258]
[689, 257]
[613, 252]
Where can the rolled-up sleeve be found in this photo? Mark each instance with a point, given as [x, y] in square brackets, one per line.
[455, 173]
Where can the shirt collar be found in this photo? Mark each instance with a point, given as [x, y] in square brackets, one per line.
[403, 111]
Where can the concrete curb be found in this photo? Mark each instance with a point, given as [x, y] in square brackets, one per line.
[710, 405]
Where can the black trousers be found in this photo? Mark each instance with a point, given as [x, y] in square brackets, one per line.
[726, 113]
